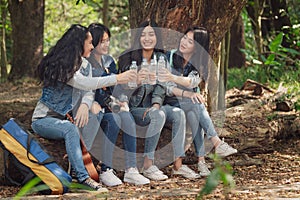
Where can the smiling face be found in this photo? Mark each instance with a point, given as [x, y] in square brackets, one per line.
[103, 45]
[148, 38]
[88, 46]
[187, 44]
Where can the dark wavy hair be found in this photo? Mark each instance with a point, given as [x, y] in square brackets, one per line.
[200, 57]
[97, 30]
[136, 50]
[63, 59]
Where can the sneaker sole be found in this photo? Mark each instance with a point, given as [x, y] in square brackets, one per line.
[102, 190]
[133, 182]
[222, 156]
[191, 178]
[162, 179]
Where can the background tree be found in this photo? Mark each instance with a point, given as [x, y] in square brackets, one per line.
[27, 19]
[237, 58]
[216, 16]
[3, 63]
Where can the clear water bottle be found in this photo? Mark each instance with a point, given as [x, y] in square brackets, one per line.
[133, 66]
[153, 70]
[145, 65]
[160, 65]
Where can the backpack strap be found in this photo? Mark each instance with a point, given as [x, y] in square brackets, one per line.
[30, 138]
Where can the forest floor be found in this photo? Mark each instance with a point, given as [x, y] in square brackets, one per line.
[267, 165]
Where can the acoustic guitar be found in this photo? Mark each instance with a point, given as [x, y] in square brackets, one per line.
[87, 158]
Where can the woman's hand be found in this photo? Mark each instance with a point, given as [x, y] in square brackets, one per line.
[195, 97]
[96, 108]
[124, 106]
[82, 115]
[128, 76]
[156, 105]
[164, 75]
[143, 75]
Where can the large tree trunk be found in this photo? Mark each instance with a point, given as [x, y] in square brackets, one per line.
[237, 42]
[217, 16]
[3, 62]
[27, 18]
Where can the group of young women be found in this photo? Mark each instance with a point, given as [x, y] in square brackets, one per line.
[79, 78]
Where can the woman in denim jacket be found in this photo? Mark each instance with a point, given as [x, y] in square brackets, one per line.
[113, 119]
[188, 69]
[60, 71]
[145, 102]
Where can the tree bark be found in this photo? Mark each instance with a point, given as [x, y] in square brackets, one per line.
[3, 65]
[27, 18]
[105, 11]
[217, 16]
[237, 42]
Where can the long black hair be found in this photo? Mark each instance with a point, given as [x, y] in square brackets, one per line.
[136, 50]
[97, 30]
[63, 59]
[200, 57]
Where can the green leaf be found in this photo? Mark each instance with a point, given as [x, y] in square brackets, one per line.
[291, 51]
[211, 182]
[270, 59]
[28, 187]
[275, 44]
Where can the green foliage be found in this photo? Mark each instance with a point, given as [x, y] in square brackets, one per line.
[31, 187]
[277, 65]
[60, 14]
[221, 173]
[34, 186]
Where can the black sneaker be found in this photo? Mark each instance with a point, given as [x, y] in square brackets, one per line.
[94, 185]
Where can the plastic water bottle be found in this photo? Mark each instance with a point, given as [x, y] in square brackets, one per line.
[152, 69]
[145, 65]
[133, 66]
[160, 65]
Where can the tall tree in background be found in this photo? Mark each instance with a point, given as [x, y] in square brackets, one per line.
[3, 63]
[217, 16]
[27, 19]
[267, 18]
[237, 42]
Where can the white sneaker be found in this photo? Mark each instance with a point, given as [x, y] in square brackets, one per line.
[133, 176]
[203, 169]
[224, 149]
[109, 178]
[186, 172]
[154, 173]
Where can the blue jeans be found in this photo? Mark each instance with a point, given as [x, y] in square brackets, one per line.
[198, 119]
[111, 124]
[90, 130]
[176, 117]
[54, 128]
[155, 120]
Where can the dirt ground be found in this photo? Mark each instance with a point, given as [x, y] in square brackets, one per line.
[267, 165]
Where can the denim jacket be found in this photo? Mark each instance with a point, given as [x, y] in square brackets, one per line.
[63, 97]
[187, 71]
[145, 95]
[107, 67]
